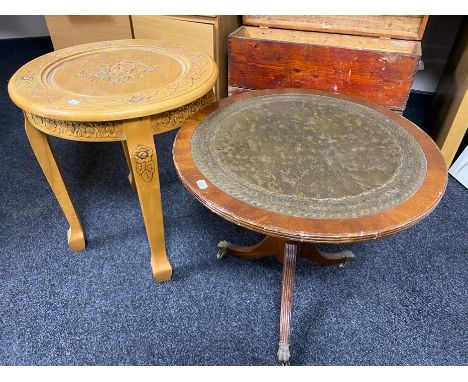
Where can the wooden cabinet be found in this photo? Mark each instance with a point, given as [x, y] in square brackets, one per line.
[199, 35]
[207, 33]
[349, 61]
[75, 30]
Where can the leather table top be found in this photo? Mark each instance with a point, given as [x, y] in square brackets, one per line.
[309, 156]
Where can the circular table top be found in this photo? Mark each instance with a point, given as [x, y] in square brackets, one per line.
[310, 166]
[112, 80]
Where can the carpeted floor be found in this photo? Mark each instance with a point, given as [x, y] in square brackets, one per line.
[403, 301]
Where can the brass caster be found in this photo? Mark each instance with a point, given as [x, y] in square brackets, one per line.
[349, 257]
[222, 249]
[283, 354]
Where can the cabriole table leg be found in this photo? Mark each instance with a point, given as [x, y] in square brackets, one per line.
[131, 176]
[269, 246]
[143, 158]
[46, 158]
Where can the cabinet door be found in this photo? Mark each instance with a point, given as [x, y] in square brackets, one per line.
[195, 34]
[74, 30]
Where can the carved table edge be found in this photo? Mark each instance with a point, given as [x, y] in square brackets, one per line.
[109, 131]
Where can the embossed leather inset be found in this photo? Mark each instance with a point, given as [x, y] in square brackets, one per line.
[309, 156]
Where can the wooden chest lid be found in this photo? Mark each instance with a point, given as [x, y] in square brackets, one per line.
[398, 27]
[112, 80]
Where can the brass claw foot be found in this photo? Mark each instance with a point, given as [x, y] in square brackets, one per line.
[222, 249]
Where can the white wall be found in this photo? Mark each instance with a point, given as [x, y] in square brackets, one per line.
[436, 44]
[22, 26]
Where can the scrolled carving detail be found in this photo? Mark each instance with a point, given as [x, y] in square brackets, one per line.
[116, 73]
[77, 130]
[28, 82]
[176, 117]
[143, 157]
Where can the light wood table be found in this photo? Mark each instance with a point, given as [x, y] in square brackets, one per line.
[207, 33]
[305, 167]
[124, 90]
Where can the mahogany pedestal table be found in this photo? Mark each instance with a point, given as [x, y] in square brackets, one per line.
[123, 90]
[306, 167]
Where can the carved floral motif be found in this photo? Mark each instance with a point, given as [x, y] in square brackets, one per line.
[112, 130]
[175, 118]
[77, 130]
[116, 73]
[29, 85]
[143, 157]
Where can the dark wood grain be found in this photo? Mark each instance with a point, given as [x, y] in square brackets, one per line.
[272, 246]
[369, 227]
[269, 246]
[380, 77]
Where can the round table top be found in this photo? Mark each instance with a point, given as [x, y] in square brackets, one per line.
[310, 166]
[112, 80]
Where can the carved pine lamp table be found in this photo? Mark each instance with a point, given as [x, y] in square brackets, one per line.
[124, 90]
[306, 167]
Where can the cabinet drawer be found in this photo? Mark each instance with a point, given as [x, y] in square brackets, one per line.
[194, 34]
[377, 70]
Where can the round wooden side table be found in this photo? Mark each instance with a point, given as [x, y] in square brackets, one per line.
[123, 90]
[305, 167]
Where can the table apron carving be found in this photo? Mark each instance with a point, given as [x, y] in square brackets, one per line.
[78, 131]
[110, 131]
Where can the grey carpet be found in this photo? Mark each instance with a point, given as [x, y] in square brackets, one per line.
[404, 301]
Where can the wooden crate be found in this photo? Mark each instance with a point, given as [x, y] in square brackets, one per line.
[399, 27]
[375, 69]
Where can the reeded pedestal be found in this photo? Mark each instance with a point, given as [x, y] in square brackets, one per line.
[286, 252]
